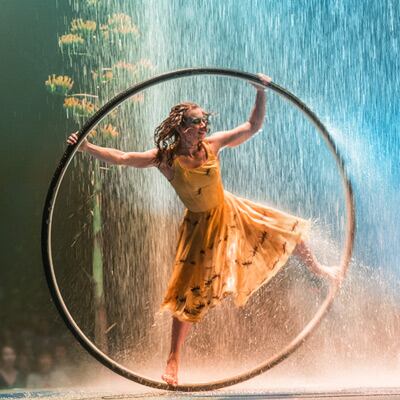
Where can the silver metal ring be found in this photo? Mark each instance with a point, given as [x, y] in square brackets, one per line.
[52, 195]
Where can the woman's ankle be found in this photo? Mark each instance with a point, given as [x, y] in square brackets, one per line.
[173, 356]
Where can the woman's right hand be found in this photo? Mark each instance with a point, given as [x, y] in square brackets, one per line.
[265, 79]
[73, 138]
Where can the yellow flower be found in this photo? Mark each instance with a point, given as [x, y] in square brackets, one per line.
[59, 85]
[70, 39]
[108, 75]
[79, 26]
[105, 75]
[109, 130]
[80, 107]
[124, 66]
[121, 24]
[135, 71]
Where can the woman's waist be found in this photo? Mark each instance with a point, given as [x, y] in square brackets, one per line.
[203, 199]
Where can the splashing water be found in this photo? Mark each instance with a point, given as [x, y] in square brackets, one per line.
[326, 53]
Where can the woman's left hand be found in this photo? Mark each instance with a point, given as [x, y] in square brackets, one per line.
[264, 79]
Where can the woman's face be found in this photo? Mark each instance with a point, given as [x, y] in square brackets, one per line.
[45, 363]
[8, 356]
[195, 125]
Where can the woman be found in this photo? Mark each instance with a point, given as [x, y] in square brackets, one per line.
[10, 376]
[227, 244]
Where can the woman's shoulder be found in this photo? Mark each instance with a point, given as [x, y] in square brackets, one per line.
[166, 167]
[212, 146]
[164, 159]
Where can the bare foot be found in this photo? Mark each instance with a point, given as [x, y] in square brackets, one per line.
[171, 371]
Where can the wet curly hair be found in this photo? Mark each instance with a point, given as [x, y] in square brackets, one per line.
[166, 136]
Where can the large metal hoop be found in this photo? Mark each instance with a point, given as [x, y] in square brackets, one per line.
[55, 185]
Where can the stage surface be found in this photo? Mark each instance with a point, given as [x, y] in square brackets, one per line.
[359, 393]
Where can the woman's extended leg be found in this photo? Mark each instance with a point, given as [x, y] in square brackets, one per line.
[304, 252]
[179, 332]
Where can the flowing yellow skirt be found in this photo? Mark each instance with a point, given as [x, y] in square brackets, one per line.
[233, 248]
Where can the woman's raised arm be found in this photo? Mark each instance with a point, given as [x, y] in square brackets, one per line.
[245, 131]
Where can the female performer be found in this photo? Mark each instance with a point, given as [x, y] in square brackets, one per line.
[227, 244]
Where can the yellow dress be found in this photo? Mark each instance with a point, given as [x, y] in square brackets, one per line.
[226, 244]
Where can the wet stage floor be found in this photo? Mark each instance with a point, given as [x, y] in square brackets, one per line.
[360, 393]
